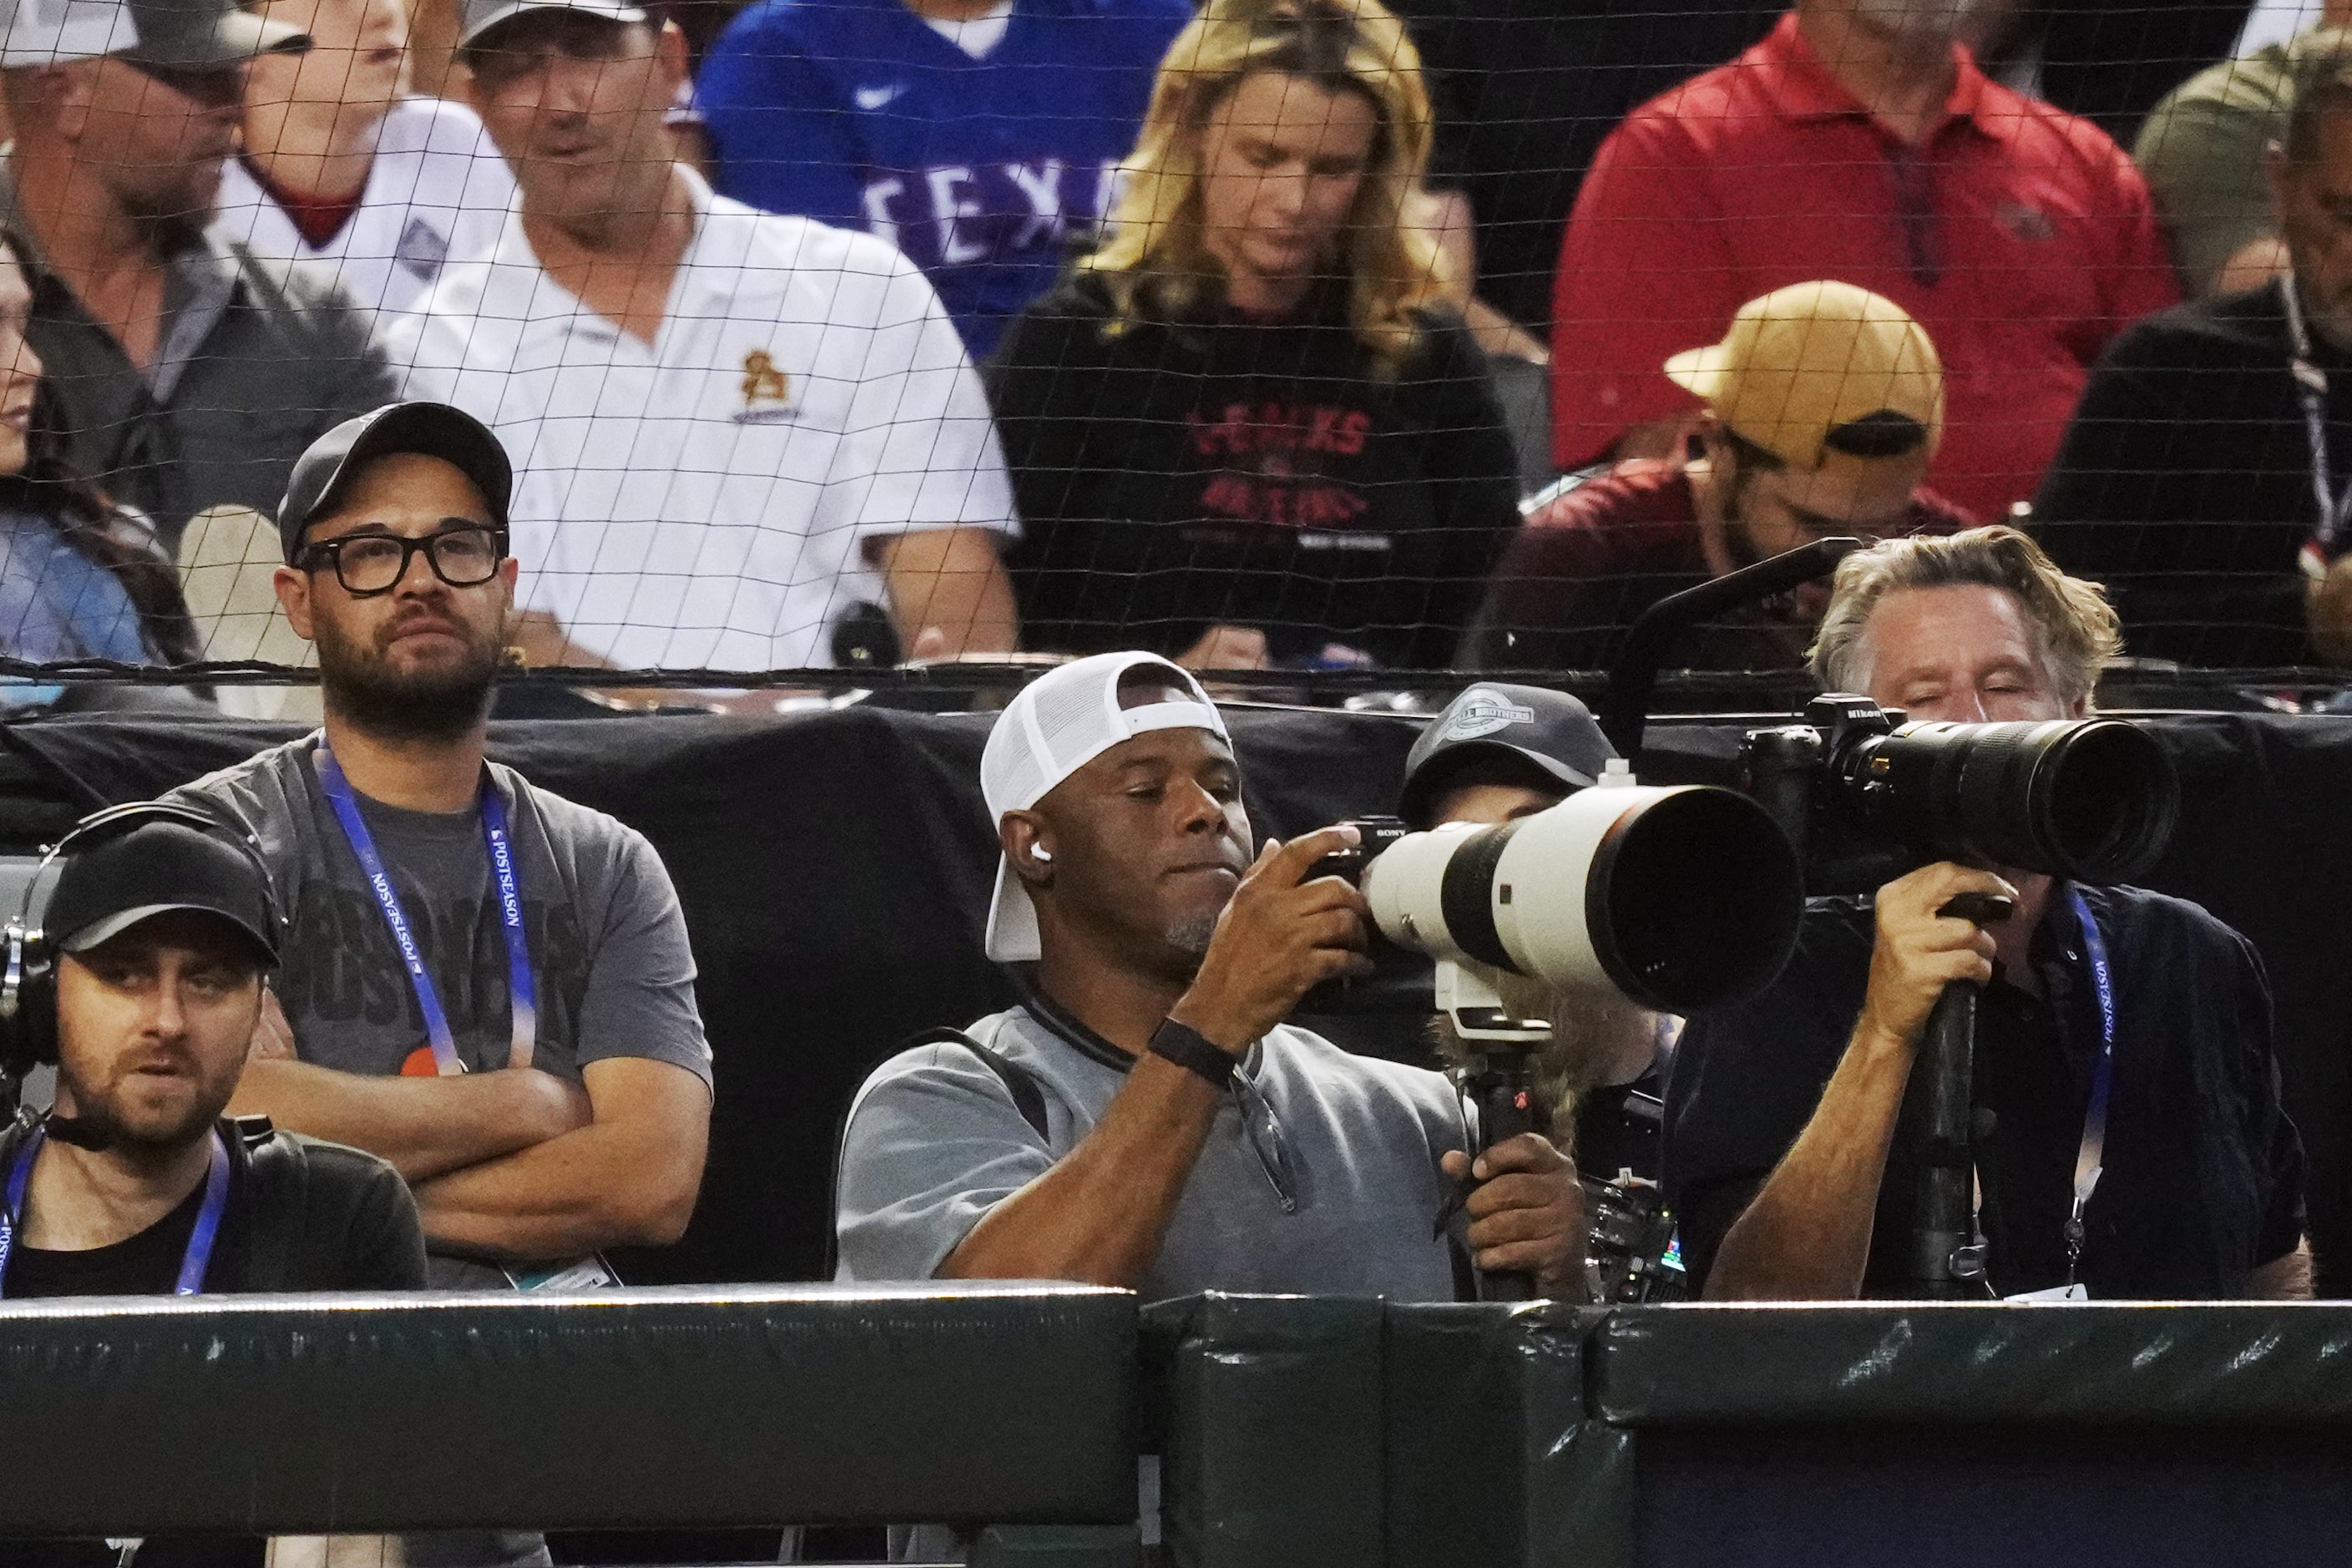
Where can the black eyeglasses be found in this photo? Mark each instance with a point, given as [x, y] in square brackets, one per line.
[464, 555]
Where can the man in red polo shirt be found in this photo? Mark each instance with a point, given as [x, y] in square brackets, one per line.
[1858, 142]
[1822, 409]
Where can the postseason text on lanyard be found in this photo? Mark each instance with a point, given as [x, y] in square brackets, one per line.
[2091, 1158]
[520, 987]
[2327, 541]
[193, 1263]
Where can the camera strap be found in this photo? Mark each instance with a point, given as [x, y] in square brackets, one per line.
[2311, 393]
[2090, 1159]
[192, 1262]
[522, 991]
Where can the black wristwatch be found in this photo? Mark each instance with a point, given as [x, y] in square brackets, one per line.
[1193, 1051]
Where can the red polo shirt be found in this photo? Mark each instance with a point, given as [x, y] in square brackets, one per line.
[2020, 236]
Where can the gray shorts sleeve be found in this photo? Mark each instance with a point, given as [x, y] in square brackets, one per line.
[934, 1141]
[640, 996]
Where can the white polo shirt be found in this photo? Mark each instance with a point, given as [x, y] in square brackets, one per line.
[703, 503]
[438, 192]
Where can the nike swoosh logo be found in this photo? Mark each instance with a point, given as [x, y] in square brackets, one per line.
[873, 98]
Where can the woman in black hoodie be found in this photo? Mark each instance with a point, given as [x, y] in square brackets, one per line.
[1246, 431]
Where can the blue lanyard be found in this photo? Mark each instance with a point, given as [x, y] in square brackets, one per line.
[2311, 392]
[2091, 1158]
[523, 991]
[200, 1240]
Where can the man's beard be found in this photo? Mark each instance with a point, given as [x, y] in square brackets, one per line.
[1190, 935]
[95, 1122]
[436, 705]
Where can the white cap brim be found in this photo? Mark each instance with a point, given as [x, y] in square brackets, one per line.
[1012, 920]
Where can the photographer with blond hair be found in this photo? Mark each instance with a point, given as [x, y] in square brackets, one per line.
[1248, 431]
[2137, 1147]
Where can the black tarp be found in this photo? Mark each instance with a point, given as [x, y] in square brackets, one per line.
[835, 869]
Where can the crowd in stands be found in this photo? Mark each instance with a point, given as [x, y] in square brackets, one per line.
[936, 327]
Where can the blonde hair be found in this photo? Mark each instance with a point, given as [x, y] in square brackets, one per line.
[2074, 625]
[1156, 256]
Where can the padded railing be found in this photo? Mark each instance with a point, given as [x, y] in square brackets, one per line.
[1007, 1407]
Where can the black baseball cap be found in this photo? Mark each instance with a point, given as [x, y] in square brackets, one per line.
[430, 429]
[150, 869]
[1513, 731]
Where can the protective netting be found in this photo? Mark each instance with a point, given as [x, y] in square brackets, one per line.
[1283, 334]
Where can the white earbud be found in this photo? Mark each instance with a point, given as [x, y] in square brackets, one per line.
[1039, 852]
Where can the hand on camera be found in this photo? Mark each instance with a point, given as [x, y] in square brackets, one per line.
[1919, 952]
[1277, 941]
[1527, 1214]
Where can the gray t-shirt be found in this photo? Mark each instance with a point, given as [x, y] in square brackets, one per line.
[935, 1141]
[608, 944]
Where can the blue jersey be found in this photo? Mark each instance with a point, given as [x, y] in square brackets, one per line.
[859, 113]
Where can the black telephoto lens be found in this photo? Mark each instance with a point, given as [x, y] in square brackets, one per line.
[2090, 799]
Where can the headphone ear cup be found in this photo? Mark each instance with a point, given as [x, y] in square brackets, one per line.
[28, 1008]
[37, 1011]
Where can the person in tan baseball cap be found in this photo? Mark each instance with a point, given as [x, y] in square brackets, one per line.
[1824, 404]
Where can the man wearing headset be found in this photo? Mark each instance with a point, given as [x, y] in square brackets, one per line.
[144, 986]
[141, 985]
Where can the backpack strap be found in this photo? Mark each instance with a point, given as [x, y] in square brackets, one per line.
[1028, 1094]
[276, 1199]
[1028, 1098]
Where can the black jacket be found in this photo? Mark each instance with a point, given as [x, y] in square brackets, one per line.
[304, 1214]
[2204, 1175]
[2184, 482]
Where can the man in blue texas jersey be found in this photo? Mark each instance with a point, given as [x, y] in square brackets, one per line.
[976, 135]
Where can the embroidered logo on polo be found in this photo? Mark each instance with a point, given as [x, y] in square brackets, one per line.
[1483, 712]
[423, 250]
[767, 391]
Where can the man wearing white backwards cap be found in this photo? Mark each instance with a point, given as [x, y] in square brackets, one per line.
[1145, 1118]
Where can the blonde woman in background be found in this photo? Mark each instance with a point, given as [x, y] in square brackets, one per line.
[1248, 431]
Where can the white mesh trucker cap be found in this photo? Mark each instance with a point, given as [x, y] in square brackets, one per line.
[1055, 726]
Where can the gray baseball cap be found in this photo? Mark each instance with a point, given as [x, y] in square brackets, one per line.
[187, 34]
[430, 429]
[1526, 732]
[481, 16]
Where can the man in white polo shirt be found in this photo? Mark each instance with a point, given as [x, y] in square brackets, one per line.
[734, 431]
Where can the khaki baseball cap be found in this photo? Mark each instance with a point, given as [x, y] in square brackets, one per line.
[1821, 371]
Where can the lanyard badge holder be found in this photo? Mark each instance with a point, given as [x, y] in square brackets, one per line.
[523, 990]
[2090, 1158]
[2327, 539]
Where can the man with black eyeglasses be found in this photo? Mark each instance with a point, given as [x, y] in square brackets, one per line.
[185, 371]
[484, 984]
